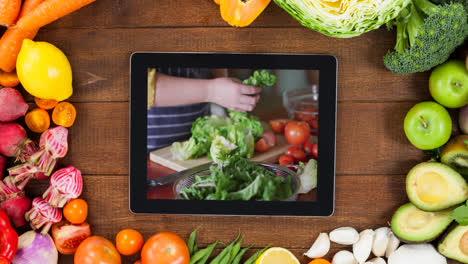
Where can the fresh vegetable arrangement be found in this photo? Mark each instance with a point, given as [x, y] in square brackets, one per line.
[225, 137]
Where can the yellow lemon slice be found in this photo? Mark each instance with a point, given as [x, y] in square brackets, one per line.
[277, 255]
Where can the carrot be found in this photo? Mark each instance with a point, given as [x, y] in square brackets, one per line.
[49, 11]
[28, 6]
[8, 79]
[9, 10]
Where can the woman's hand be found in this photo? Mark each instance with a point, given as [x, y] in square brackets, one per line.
[232, 94]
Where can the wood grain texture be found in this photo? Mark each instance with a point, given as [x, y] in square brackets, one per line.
[370, 139]
[357, 205]
[106, 53]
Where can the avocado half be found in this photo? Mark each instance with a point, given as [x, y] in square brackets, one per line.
[411, 224]
[433, 186]
[455, 154]
[454, 244]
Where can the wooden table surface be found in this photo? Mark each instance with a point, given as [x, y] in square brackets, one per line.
[373, 154]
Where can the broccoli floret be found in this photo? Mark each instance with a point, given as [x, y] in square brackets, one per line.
[426, 36]
[463, 2]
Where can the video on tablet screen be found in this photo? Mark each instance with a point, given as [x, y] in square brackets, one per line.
[235, 134]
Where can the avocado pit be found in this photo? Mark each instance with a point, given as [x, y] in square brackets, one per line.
[464, 243]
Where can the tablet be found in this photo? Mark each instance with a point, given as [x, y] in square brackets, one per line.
[199, 157]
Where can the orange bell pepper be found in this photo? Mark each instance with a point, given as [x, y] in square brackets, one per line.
[241, 13]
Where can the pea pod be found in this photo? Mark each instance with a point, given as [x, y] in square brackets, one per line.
[239, 256]
[255, 256]
[202, 254]
[235, 250]
[225, 252]
[192, 243]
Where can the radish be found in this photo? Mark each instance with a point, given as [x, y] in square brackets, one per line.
[53, 145]
[42, 215]
[14, 142]
[25, 172]
[2, 166]
[12, 105]
[65, 184]
[13, 202]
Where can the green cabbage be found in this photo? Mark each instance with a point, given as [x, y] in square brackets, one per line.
[343, 18]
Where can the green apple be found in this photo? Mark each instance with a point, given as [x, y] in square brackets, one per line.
[428, 125]
[448, 84]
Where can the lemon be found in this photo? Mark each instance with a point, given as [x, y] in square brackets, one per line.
[277, 255]
[44, 71]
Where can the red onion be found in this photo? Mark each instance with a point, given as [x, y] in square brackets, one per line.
[42, 215]
[25, 172]
[53, 145]
[13, 202]
[65, 184]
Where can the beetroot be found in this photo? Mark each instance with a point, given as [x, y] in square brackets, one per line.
[53, 145]
[25, 172]
[42, 215]
[2, 166]
[13, 202]
[14, 142]
[12, 105]
[65, 184]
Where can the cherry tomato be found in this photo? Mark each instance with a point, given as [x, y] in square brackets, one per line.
[64, 114]
[277, 125]
[306, 114]
[129, 242]
[165, 248]
[68, 237]
[97, 249]
[76, 211]
[292, 148]
[319, 261]
[261, 145]
[46, 104]
[37, 120]
[315, 151]
[270, 138]
[308, 147]
[286, 160]
[298, 155]
[297, 133]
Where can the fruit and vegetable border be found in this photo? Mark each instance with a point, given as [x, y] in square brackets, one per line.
[427, 34]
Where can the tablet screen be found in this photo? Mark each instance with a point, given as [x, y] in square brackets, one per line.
[243, 134]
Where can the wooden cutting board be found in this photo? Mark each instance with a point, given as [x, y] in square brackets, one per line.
[164, 156]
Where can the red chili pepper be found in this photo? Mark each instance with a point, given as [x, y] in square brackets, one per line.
[8, 239]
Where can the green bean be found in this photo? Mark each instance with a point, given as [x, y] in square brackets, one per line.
[208, 253]
[225, 252]
[192, 243]
[255, 256]
[235, 250]
[202, 253]
[238, 257]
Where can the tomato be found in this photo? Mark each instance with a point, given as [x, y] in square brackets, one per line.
[270, 138]
[297, 133]
[46, 104]
[261, 145]
[277, 125]
[129, 242]
[291, 149]
[286, 159]
[165, 248]
[308, 147]
[137, 262]
[298, 155]
[97, 250]
[315, 151]
[68, 237]
[76, 211]
[64, 114]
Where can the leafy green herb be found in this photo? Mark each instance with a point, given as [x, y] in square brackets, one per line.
[240, 179]
[460, 214]
[261, 79]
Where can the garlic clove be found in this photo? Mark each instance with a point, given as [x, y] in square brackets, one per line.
[363, 247]
[381, 238]
[344, 236]
[377, 260]
[344, 257]
[320, 247]
[393, 244]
